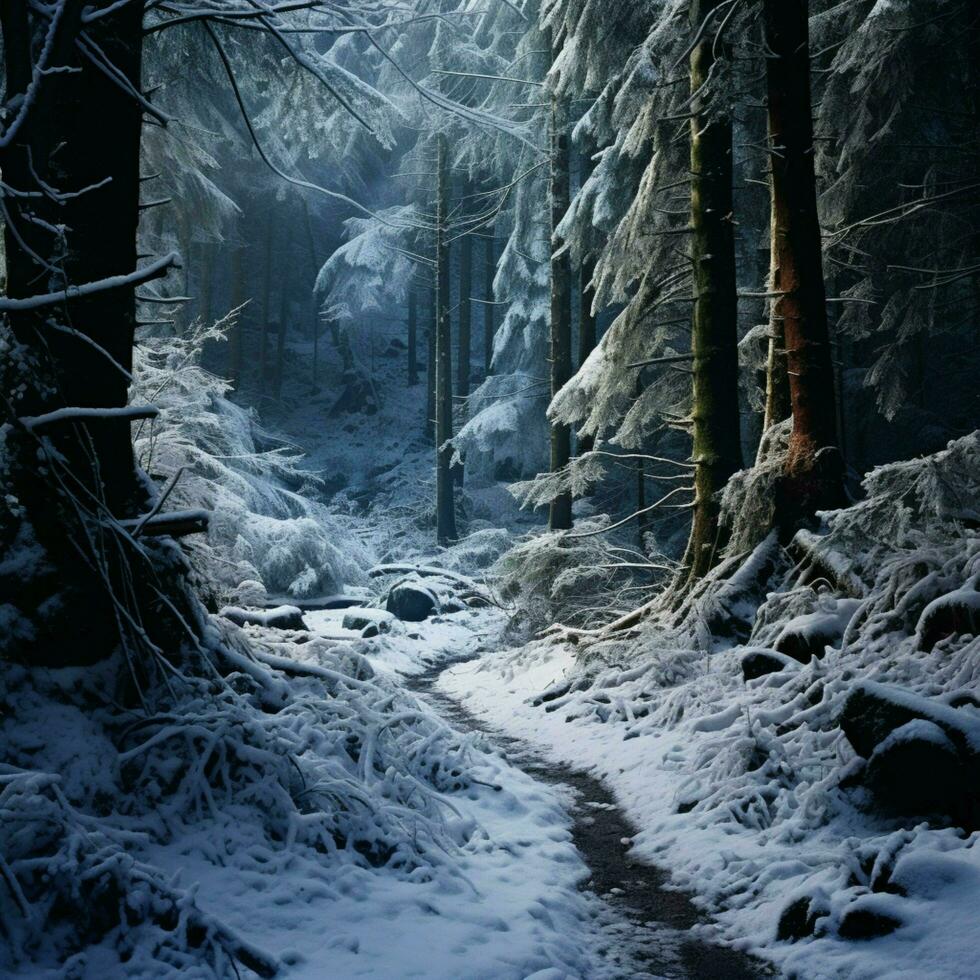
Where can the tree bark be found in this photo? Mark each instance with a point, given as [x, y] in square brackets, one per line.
[80, 131]
[266, 311]
[813, 478]
[586, 333]
[413, 367]
[560, 512]
[314, 312]
[281, 336]
[236, 335]
[489, 270]
[777, 380]
[716, 450]
[445, 503]
[430, 366]
[465, 317]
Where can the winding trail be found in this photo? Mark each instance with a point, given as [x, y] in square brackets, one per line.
[658, 926]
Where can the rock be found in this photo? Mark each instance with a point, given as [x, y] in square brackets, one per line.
[411, 602]
[279, 617]
[370, 631]
[808, 636]
[799, 918]
[759, 661]
[861, 922]
[873, 711]
[361, 619]
[916, 770]
[955, 613]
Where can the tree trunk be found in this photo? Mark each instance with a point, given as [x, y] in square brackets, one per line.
[236, 335]
[281, 336]
[560, 512]
[79, 135]
[586, 332]
[813, 478]
[413, 367]
[777, 380]
[489, 270]
[81, 130]
[314, 312]
[716, 450]
[266, 311]
[465, 317]
[206, 304]
[445, 503]
[430, 366]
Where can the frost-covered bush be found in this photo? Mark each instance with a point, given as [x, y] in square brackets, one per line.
[267, 525]
[887, 593]
[575, 579]
[274, 756]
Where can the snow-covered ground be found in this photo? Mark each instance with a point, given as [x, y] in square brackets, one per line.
[504, 902]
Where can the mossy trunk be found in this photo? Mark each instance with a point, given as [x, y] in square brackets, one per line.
[714, 329]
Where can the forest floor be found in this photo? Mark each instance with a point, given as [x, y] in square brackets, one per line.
[663, 815]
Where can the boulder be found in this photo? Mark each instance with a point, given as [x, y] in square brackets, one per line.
[873, 711]
[757, 662]
[799, 918]
[808, 636]
[955, 613]
[411, 602]
[279, 617]
[864, 922]
[362, 619]
[923, 755]
[916, 770]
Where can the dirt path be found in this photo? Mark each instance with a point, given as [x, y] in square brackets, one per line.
[657, 925]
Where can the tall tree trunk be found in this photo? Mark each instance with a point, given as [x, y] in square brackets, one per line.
[445, 503]
[205, 306]
[717, 450]
[79, 134]
[314, 311]
[560, 512]
[413, 330]
[813, 478]
[281, 336]
[266, 311]
[465, 317]
[586, 332]
[81, 130]
[430, 366]
[236, 335]
[489, 270]
[777, 380]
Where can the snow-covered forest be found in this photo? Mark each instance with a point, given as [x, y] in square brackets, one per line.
[490, 489]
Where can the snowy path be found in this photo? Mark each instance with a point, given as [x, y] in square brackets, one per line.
[556, 893]
[658, 927]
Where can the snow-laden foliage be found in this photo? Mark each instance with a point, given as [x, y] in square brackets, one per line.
[284, 758]
[267, 525]
[577, 579]
[761, 768]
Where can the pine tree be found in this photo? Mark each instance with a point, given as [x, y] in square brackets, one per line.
[445, 502]
[560, 512]
[814, 473]
[714, 331]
